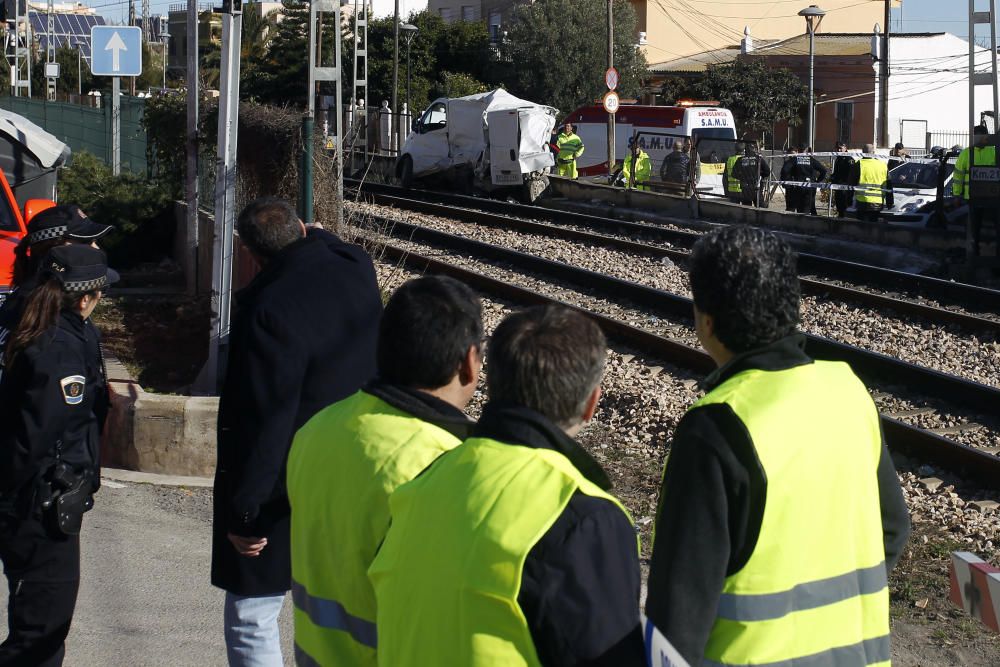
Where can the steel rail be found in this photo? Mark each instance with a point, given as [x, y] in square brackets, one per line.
[881, 368]
[809, 286]
[969, 462]
[975, 297]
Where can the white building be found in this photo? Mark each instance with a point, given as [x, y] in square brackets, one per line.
[382, 8]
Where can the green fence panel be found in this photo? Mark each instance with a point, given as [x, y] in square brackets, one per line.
[89, 129]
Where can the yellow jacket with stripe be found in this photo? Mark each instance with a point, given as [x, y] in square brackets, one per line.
[780, 514]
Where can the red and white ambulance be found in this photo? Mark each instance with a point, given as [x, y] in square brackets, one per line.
[713, 128]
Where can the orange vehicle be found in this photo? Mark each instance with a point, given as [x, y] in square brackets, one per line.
[29, 158]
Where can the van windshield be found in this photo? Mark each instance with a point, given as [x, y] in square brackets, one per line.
[715, 144]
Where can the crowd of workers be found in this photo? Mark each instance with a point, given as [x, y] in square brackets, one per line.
[408, 534]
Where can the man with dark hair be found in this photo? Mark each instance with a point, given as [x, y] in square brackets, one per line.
[347, 459]
[302, 337]
[751, 170]
[843, 167]
[509, 549]
[780, 508]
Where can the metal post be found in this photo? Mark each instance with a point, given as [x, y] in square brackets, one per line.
[116, 125]
[50, 50]
[611, 116]
[79, 71]
[165, 38]
[409, 40]
[395, 79]
[225, 195]
[812, 85]
[884, 81]
[317, 72]
[360, 89]
[191, 143]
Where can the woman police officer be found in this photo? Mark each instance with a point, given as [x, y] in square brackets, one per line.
[53, 400]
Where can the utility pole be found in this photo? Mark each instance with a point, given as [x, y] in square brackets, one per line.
[147, 29]
[395, 78]
[884, 81]
[611, 64]
[359, 92]
[225, 189]
[191, 141]
[50, 48]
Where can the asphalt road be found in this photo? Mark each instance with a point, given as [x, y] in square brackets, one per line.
[145, 597]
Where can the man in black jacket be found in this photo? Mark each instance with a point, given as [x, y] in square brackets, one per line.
[779, 500]
[303, 336]
[843, 168]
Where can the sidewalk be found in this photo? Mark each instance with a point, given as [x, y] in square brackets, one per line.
[145, 598]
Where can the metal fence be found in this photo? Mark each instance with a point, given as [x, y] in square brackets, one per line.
[948, 139]
[86, 128]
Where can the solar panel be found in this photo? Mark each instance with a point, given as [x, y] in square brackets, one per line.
[71, 30]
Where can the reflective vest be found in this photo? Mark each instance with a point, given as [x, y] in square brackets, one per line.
[985, 157]
[732, 181]
[570, 147]
[343, 464]
[815, 585]
[643, 171]
[874, 174]
[449, 573]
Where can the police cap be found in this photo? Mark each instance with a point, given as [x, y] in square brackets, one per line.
[79, 268]
[64, 221]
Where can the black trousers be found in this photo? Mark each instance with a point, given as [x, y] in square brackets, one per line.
[868, 212]
[842, 200]
[43, 577]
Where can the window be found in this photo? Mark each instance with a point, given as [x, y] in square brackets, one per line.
[495, 27]
[470, 13]
[845, 120]
[435, 117]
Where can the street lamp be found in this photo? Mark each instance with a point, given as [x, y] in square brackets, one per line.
[165, 36]
[409, 32]
[813, 16]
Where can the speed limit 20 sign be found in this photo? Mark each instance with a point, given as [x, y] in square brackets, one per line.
[611, 101]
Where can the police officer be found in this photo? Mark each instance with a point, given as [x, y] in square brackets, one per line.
[873, 191]
[570, 148]
[804, 168]
[750, 170]
[730, 178]
[843, 166]
[639, 177]
[53, 400]
[780, 508]
[52, 227]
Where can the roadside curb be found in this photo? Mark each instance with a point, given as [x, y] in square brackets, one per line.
[156, 479]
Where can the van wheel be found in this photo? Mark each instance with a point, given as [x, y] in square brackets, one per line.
[406, 171]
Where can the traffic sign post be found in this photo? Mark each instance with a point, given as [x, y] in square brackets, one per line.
[116, 51]
[611, 102]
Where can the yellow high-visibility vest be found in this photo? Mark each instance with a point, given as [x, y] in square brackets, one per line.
[448, 575]
[815, 587]
[343, 464]
[732, 182]
[986, 156]
[874, 174]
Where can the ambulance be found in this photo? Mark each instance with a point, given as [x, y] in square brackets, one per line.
[713, 128]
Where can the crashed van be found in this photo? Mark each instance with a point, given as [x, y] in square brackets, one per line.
[488, 142]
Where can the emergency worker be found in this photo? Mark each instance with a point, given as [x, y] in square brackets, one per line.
[731, 183]
[49, 228]
[985, 156]
[897, 156]
[643, 169]
[779, 508]
[53, 401]
[843, 167]
[807, 169]
[695, 172]
[751, 169]
[347, 459]
[792, 192]
[509, 549]
[570, 149]
[873, 190]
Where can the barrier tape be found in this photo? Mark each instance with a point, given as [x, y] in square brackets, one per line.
[830, 186]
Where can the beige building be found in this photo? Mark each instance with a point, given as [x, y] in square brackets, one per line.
[669, 29]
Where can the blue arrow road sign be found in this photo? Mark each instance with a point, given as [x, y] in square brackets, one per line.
[116, 50]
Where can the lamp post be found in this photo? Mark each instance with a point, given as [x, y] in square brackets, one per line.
[813, 16]
[394, 141]
[409, 31]
[165, 36]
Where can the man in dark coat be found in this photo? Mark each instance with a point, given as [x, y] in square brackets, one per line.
[303, 336]
[843, 167]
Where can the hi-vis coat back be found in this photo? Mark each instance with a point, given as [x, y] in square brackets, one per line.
[713, 128]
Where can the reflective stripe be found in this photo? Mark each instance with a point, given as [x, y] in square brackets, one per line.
[811, 595]
[303, 659]
[868, 652]
[332, 615]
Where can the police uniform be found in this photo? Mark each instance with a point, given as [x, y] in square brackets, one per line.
[750, 169]
[53, 399]
[802, 167]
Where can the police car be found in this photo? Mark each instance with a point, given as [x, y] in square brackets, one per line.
[915, 194]
[657, 128]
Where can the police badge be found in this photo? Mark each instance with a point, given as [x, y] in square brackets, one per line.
[72, 389]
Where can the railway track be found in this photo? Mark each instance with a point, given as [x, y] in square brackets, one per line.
[566, 225]
[971, 463]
